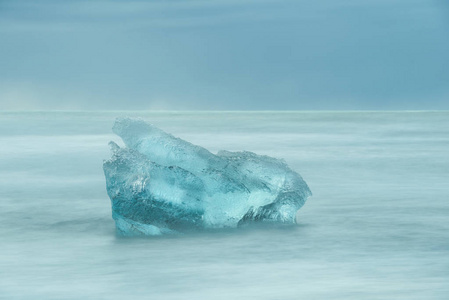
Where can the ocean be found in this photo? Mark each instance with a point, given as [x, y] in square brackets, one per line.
[376, 227]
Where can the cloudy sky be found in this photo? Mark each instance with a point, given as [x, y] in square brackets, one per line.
[224, 54]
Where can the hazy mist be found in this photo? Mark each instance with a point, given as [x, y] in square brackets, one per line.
[227, 55]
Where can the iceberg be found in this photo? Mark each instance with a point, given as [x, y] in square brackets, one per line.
[160, 184]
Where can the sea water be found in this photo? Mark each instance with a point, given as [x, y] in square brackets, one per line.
[377, 226]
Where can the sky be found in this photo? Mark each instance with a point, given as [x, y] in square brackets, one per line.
[224, 55]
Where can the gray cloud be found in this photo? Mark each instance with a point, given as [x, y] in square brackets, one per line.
[224, 55]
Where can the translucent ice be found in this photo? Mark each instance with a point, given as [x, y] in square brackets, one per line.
[162, 184]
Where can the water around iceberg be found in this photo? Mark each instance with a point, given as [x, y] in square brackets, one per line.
[162, 184]
[376, 227]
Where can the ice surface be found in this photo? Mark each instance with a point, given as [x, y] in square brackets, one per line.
[162, 184]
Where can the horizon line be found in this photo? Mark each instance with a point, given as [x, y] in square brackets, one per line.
[221, 111]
